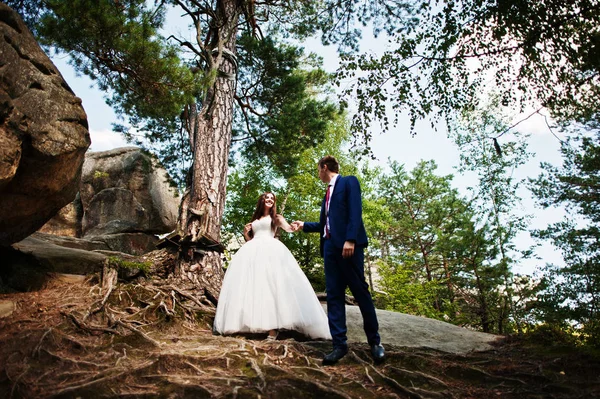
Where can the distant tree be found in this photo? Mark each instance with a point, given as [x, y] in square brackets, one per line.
[474, 278]
[441, 260]
[424, 211]
[378, 222]
[496, 200]
[572, 290]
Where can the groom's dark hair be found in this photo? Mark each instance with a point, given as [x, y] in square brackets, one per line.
[331, 162]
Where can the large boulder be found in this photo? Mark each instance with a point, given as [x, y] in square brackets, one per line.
[43, 134]
[125, 190]
[125, 200]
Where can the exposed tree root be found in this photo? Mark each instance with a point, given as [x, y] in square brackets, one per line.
[97, 379]
[154, 339]
[391, 382]
[140, 333]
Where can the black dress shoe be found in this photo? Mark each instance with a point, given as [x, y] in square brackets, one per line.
[334, 356]
[378, 353]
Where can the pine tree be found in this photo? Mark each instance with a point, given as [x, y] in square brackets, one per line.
[572, 290]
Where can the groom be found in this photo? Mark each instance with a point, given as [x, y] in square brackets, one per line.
[343, 240]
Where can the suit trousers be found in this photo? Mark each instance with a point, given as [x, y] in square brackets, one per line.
[341, 273]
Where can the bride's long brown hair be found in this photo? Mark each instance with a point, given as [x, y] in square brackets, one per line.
[260, 209]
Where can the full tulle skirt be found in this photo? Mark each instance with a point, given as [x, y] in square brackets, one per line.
[265, 289]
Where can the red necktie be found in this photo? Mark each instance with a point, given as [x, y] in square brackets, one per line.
[327, 195]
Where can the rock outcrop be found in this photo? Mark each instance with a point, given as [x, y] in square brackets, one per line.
[29, 264]
[43, 134]
[125, 199]
[126, 190]
[419, 332]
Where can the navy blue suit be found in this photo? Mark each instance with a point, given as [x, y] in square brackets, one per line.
[346, 224]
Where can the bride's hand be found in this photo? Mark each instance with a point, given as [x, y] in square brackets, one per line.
[247, 228]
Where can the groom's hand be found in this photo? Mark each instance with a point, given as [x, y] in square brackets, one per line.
[348, 249]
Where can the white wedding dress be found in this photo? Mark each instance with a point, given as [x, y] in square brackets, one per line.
[265, 289]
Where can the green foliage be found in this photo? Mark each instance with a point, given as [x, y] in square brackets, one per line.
[155, 83]
[440, 255]
[421, 246]
[442, 55]
[448, 258]
[475, 281]
[342, 22]
[299, 195]
[572, 290]
[118, 44]
[407, 293]
[281, 116]
[553, 335]
[29, 10]
[496, 197]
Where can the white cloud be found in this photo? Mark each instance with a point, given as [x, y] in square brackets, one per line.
[532, 121]
[105, 139]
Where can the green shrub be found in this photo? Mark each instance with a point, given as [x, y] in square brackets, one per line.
[118, 262]
[553, 335]
[98, 174]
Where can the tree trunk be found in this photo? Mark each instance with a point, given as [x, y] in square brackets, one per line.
[483, 306]
[370, 274]
[200, 259]
[508, 281]
[449, 284]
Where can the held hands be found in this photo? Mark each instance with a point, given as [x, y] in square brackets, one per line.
[348, 249]
[297, 225]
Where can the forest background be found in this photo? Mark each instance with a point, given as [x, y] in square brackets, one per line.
[453, 248]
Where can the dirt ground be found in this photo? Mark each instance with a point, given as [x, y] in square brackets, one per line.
[73, 340]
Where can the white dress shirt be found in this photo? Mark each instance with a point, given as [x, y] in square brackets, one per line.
[331, 187]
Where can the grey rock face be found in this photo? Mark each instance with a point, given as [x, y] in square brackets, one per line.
[43, 134]
[28, 264]
[124, 191]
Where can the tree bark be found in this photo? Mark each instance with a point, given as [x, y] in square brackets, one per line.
[483, 306]
[448, 275]
[200, 259]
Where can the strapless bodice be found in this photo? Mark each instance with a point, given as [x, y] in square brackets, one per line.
[262, 227]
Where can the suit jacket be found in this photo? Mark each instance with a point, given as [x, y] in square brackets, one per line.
[345, 215]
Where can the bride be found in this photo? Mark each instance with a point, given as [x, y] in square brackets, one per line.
[264, 289]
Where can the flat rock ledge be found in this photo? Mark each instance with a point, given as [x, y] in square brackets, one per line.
[401, 329]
